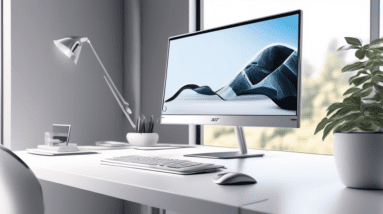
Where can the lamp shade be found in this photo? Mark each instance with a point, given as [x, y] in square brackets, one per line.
[71, 46]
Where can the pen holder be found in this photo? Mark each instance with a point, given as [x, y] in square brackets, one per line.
[142, 139]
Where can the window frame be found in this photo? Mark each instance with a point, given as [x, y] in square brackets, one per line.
[5, 99]
[196, 13]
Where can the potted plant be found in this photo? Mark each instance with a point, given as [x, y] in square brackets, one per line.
[143, 135]
[357, 121]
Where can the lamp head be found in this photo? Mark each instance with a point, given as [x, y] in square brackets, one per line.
[71, 46]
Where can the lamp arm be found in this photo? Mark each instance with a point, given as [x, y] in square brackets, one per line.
[109, 78]
[120, 100]
[120, 103]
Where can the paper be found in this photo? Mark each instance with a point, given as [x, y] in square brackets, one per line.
[156, 148]
[163, 146]
[87, 148]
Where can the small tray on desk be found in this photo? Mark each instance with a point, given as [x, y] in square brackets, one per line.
[55, 153]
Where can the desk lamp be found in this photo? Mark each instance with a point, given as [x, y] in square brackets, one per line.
[71, 47]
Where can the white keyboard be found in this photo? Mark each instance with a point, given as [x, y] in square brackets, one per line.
[175, 166]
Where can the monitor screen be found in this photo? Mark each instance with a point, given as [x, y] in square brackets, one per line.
[249, 69]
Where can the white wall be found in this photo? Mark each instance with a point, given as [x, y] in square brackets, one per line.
[49, 88]
[132, 58]
[159, 21]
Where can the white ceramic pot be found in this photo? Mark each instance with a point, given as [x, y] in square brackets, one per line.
[142, 139]
[359, 159]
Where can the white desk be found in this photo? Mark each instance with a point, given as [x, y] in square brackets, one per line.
[287, 183]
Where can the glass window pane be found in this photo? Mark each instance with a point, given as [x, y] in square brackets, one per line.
[381, 19]
[325, 24]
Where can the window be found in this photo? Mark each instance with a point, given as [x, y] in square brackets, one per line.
[325, 24]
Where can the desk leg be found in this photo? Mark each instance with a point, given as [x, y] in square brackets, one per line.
[158, 211]
[131, 207]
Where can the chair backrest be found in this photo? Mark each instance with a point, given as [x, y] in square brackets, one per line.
[20, 191]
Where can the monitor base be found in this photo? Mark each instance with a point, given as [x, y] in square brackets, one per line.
[225, 155]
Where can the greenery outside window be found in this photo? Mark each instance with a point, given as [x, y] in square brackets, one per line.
[325, 24]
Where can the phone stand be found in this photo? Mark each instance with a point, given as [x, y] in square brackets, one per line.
[58, 139]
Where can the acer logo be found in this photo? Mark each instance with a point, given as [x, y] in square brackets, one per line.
[214, 119]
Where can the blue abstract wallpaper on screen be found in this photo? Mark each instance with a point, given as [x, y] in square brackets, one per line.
[249, 69]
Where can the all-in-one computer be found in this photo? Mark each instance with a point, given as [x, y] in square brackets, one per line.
[243, 74]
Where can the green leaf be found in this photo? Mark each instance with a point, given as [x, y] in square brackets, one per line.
[367, 125]
[334, 107]
[357, 100]
[329, 127]
[377, 78]
[352, 79]
[375, 46]
[365, 92]
[361, 72]
[351, 101]
[362, 93]
[348, 47]
[377, 97]
[372, 99]
[352, 90]
[374, 63]
[376, 57]
[366, 47]
[375, 53]
[321, 125]
[378, 87]
[341, 112]
[359, 80]
[360, 53]
[353, 116]
[333, 124]
[347, 126]
[367, 85]
[375, 42]
[353, 41]
[375, 71]
[369, 54]
[377, 121]
[353, 67]
[345, 112]
[376, 49]
[372, 109]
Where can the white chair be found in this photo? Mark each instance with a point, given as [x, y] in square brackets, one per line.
[20, 191]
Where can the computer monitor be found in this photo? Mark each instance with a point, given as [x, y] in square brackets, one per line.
[243, 74]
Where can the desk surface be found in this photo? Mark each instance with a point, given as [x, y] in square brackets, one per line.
[287, 183]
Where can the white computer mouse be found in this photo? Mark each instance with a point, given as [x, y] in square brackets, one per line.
[233, 178]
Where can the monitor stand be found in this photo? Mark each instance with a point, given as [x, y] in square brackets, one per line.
[243, 153]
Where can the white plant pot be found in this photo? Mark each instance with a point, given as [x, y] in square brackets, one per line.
[142, 139]
[359, 159]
